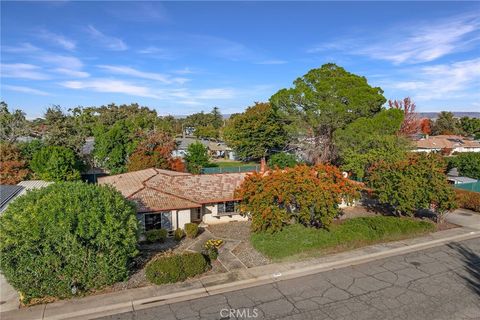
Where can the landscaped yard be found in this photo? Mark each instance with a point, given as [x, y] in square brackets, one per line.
[226, 164]
[297, 240]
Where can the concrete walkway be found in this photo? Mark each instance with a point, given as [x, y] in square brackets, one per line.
[151, 296]
[8, 296]
[464, 218]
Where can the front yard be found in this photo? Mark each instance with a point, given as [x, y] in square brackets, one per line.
[297, 241]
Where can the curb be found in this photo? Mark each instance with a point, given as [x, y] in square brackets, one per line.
[289, 272]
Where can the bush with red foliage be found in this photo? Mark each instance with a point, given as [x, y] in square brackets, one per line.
[468, 199]
[307, 195]
[13, 168]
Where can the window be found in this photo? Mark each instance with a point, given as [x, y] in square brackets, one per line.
[158, 221]
[227, 207]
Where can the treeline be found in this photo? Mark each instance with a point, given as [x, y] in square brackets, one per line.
[329, 115]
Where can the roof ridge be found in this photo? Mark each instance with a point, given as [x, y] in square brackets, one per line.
[142, 188]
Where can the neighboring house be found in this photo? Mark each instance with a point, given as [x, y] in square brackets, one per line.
[453, 177]
[216, 149]
[10, 192]
[447, 144]
[169, 199]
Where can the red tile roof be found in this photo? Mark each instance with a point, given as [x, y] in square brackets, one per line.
[156, 189]
[446, 141]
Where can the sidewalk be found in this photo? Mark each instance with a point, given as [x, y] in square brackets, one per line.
[464, 218]
[147, 297]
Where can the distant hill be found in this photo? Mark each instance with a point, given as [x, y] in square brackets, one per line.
[434, 115]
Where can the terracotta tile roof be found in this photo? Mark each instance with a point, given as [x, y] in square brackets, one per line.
[128, 183]
[149, 200]
[156, 189]
[204, 188]
[446, 141]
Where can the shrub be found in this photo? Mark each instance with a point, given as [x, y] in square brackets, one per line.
[179, 234]
[191, 229]
[306, 195]
[467, 163]
[413, 184]
[13, 167]
[156, 235]
[210, 248]
[69, 234]
[175, 267]
[282, 160]
[468, 199]
[54, 163]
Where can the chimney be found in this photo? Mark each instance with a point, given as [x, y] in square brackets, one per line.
[263, 165]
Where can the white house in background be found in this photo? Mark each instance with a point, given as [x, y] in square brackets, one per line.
[216, 149]
[448, 143]
[169, 199]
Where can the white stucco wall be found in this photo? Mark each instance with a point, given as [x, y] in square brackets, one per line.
[210, 216]
[183, 218]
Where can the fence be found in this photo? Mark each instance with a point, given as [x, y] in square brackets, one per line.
[474, 186]
[211, 170]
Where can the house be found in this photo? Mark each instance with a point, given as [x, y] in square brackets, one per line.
[10, 192]
[168, 199]
[447, 144]
[216, 149]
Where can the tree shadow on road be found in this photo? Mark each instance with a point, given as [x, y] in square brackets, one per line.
[472, 266]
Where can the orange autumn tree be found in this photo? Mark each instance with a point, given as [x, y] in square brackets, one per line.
[410, 124]
[154, 151]
[426, 126]
[307, 195]
[13, 168]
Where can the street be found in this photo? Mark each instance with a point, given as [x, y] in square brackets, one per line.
[436, 283]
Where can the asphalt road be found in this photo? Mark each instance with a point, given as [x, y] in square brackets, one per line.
[437, 283]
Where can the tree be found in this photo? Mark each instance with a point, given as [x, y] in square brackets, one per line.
[207, 125]
[426, 126]
[54, 163]
[468, 164]
[67, 237]
[196, 157]
[282, 160]
[61, 130]
[29, 148]
[113, 144]
[410, 185]
[206, 132]
[410, 124]
[12, 124]
[322, 101]
[446, 124]
[303, 194]
[256, 133]
[471, 126]
[154, 150]
[13, 168]
[369, 140]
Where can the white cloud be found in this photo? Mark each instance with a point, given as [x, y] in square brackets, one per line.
[22, 48]
[22, 71]
[106, 41]
[442, 81]
[415, 43]
[112, 86]
[57, 39]
[125, 70]
[72, 73]
[61, 61]
[215, 93]
[26, 90]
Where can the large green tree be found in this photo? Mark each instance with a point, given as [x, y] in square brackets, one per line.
[12, 124]
[471, 126]
[447, 124]
[256, 133]
[322, 101]
[369, 140]
[196, 157]
[55, 163]
[410, 185]
[68, 237]
[467, 163]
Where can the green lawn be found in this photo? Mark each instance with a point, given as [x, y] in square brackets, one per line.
[225, 164]
[297, 240]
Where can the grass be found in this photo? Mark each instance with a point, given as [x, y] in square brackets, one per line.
[225, 164]
[297, 240]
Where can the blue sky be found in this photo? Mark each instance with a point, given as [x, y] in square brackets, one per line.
[184, 57]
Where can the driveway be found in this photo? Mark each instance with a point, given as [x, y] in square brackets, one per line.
[464, 218]
[437, 283]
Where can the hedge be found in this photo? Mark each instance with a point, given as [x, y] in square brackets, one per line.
[67, 238]
[191, 230]
[156, 235]
[468, 199]
[175, 267]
